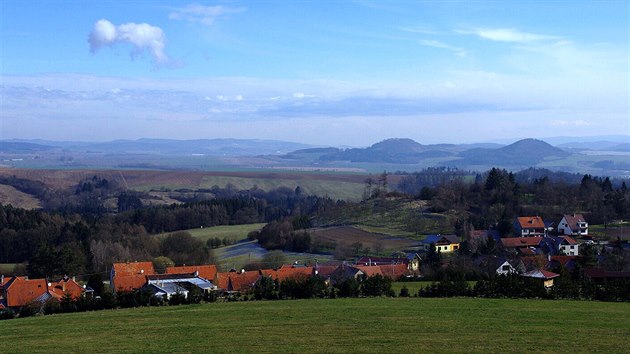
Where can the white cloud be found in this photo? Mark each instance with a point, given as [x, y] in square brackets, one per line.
[142, 36]
[509, 35]
[205, 15]
[442, 45]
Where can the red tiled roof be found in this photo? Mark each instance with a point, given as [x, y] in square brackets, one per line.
[222, 280]
[394, 271]
[243, 281]
[21, 291]
[515, 242]
[569, 240]
[207, 272]
[298, 273]
[563, 260]
[69, 286]
[325, 270]
[370, 271]
[131, 276]
[531, 222]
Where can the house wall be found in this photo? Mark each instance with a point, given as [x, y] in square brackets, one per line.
[570, 250]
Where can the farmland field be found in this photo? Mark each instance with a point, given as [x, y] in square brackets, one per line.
[349, 235]
[233, 233]
[333, 184]
[371, 325]
[10, 195]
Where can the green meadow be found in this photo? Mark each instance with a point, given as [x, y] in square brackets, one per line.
[370, 325]
[231, 232]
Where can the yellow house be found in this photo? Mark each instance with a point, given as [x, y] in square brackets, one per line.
[443, 243]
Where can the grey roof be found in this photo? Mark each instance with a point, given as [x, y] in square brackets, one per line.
[197, 281]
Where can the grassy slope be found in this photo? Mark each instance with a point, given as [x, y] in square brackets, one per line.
[343, 325]
[392, 216]
[231, 232]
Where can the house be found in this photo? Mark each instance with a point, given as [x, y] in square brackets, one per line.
[395, 271]
[523, 245]
[545, 276]
[567, 262]
[443, 243]
[529, 226]
[411, 260]
[16, 292]
[493, 265]
[233, 281]
[601, 275]
[573, 225]
[166, 285]
[566, 245]
[66, 286]
[207, 272]
[130, 276]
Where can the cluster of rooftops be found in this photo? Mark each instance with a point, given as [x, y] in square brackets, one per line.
[180, 280]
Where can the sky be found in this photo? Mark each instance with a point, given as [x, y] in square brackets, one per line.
[338, 73]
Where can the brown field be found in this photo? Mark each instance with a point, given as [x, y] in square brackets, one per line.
[191, 179]
[349, 235]
[10, 195]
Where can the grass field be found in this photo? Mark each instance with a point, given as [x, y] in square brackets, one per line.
[7, 268]
[373, 325]
[231, 232]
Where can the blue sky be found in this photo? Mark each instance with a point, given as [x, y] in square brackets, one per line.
[319, 72]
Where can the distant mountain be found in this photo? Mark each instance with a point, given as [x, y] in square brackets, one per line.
[621, 147]
[22, 147]
[526, 152]
[214, 147]
[400, 151]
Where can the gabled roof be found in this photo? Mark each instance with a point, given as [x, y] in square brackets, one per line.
[448, 239]
[222, 280]
[566, 240]
[298, 273]
[517, 242]
[205, 271]
[574, 219]
[370, 271]
[382, 260]
[131, 276]
[394, 271]
[21, 291]
[540, 274]
[530, 222]
[324, 270]
[243, 281]
[66, 286]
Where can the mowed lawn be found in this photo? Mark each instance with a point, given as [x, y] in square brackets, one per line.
[373, 325]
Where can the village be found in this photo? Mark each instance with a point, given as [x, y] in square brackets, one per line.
[540, 251]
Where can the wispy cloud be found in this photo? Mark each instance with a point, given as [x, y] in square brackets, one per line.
[205, 15]
[143, 36]
[418, 29]
[437, 44]
[508, 35]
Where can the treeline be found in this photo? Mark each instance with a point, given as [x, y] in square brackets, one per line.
[495, 198]
[518, 287]
[287, 235]
[58, 243]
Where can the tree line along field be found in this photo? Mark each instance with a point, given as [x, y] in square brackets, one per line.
[367, 325]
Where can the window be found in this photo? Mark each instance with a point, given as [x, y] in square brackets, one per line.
[505, 268]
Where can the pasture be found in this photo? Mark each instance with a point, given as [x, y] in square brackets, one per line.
[233, 233]
[348, 235]
[369, 325]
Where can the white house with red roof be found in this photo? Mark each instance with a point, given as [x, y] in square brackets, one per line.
[573, 225]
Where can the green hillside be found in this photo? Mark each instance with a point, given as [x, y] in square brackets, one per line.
[370, 325]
